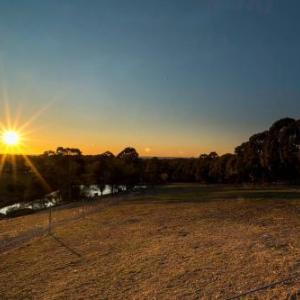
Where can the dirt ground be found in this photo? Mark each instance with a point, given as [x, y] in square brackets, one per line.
[173, 242]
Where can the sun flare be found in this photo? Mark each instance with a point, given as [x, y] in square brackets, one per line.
[11, 138]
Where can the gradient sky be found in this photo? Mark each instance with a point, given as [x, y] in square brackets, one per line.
[171, 78]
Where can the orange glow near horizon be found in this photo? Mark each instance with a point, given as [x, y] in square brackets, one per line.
[14, 138]
[14, 134]
[19, 136]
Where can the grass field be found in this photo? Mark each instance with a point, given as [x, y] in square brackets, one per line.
[173, 242]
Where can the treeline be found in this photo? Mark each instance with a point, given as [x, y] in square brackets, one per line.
[270, 156]
[24, 179]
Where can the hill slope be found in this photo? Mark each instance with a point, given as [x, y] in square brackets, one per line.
[184, 242]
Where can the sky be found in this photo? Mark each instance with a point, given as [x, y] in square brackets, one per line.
[170, 78]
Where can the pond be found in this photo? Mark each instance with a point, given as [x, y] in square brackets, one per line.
[49, 200]
[54, 198]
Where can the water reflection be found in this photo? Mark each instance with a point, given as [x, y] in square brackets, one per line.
[53, 199]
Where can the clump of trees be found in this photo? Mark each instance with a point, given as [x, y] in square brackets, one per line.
[66, 170]
[269, 156]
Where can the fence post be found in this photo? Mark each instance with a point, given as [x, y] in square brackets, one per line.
[50, 221]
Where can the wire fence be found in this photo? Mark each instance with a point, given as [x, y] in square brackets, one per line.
[53, 220]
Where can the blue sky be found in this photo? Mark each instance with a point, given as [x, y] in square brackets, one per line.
[173, 78]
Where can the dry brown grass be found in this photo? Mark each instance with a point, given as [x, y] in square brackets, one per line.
[179, 242]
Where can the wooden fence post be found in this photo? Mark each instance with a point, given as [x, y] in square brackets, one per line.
[50, 221]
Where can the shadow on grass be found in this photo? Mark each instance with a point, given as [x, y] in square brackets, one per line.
[63, 244]
[194, 194]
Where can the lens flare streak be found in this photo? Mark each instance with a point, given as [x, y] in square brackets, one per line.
[13, 139]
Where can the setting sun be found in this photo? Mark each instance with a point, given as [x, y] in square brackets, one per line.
[11, 138]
